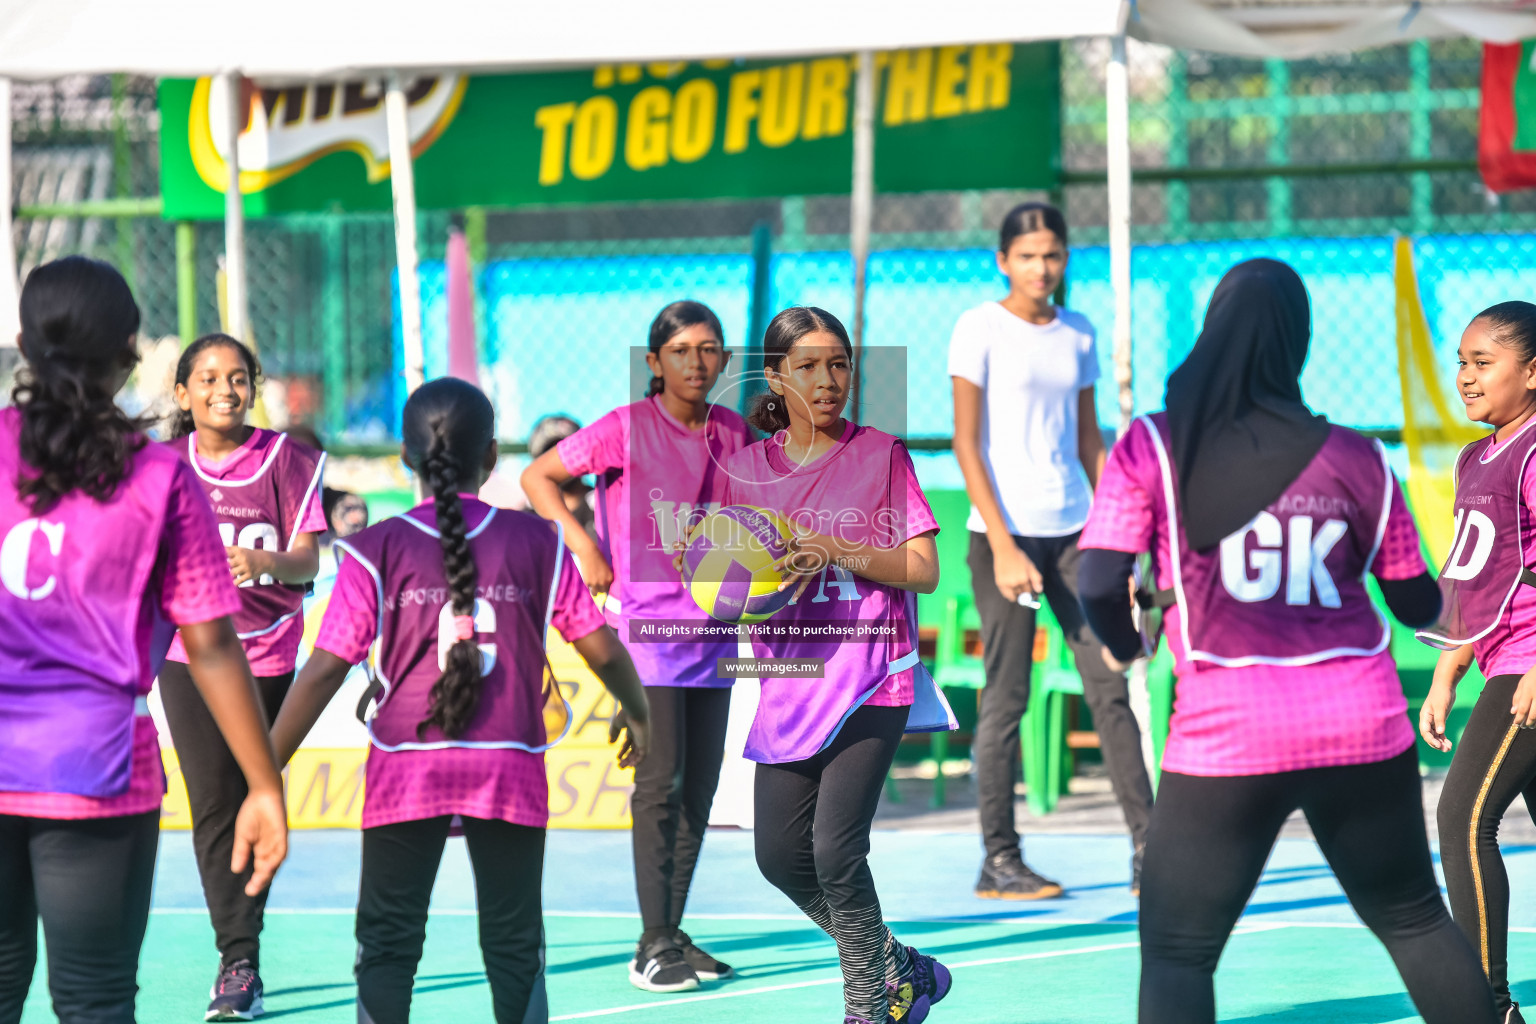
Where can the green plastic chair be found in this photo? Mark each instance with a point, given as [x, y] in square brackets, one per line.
[1048, 760]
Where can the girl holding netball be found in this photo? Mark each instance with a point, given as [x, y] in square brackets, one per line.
[266, 493]
[1489, 615]
[658, 464]
[107, 546]
[455, 597]
[862, 549]
[1263, 520]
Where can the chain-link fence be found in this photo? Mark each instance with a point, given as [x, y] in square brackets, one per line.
[1318, 162]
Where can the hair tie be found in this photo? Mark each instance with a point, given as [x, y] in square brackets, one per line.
[464, 627]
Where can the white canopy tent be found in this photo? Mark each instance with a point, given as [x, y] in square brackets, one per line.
[1303, 28]
[306, 40]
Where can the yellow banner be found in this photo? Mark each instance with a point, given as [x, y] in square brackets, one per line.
[1435, 427]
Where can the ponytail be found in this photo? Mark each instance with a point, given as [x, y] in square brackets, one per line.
[78, 320]
[447, 426]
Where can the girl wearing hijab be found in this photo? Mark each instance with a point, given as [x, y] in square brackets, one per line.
[1262, 520]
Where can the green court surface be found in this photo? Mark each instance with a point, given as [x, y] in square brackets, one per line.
[1297, 956]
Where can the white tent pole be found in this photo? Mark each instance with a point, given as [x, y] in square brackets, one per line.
[1118, 128]
[403, 181]
[234, 210]
[862, 207]
[10, 315]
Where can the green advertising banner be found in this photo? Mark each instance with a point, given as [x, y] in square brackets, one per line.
[950, 117]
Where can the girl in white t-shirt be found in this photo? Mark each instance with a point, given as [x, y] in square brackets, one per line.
[1028, 442]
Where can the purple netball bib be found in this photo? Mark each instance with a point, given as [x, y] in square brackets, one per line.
[1487, 559]
[72, 584]
[864, 632]
[673, 477]
[258, 495]
[1289, 587]
[517, 560]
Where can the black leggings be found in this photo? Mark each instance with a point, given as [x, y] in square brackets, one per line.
[811, 832]
[1207, 846]
[89, 881]
[215, 791]
[674, 790]
[1495, 762]
[400, 864]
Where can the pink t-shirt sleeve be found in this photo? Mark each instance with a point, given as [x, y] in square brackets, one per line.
[1121, 518]
[598, 447]
[351, 621]
[911, 505]
[575, 614]
[196, 585]
[1400, 556]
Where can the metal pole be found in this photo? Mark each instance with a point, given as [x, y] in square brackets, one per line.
[403, 181]
[1118, 126]
[186, 281]
[232, 123]
[862, 208]
[758, 315]
[10, 294]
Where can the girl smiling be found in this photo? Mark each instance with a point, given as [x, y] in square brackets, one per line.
[1490, 615]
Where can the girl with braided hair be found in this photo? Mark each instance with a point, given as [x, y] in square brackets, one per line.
[455, 598]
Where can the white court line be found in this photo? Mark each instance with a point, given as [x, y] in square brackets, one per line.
[835, 981]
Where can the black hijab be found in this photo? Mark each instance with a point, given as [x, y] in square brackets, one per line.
[1241, 432]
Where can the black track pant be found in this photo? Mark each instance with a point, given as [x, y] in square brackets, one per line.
[215, 790]
[674, 790]
[89, 882]
[811, 832]
[400, 864]
[1008, 650]
[1207, 846]
[1494, 762]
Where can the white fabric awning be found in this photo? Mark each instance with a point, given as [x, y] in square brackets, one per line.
[1300, 28]
[278, 40]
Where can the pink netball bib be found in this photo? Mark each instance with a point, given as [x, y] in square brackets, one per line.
[72, 584]
[258, 495]
[517, 559]
[1487, 560]
[1289, 587]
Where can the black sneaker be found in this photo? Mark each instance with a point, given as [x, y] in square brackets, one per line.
[236, 994]
[1513, 1016]
[1005, 876]
[1136, 859]
[659, 966]
[704, 965]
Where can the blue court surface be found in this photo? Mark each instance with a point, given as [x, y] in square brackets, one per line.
[1298, 955]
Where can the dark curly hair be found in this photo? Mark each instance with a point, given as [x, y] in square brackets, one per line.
[78, 320]
[768, 412]
[181, 422]
[447, 426]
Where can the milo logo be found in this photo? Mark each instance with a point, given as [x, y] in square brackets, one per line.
[288, 129]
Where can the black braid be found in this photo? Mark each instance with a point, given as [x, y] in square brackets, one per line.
[456, 693]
